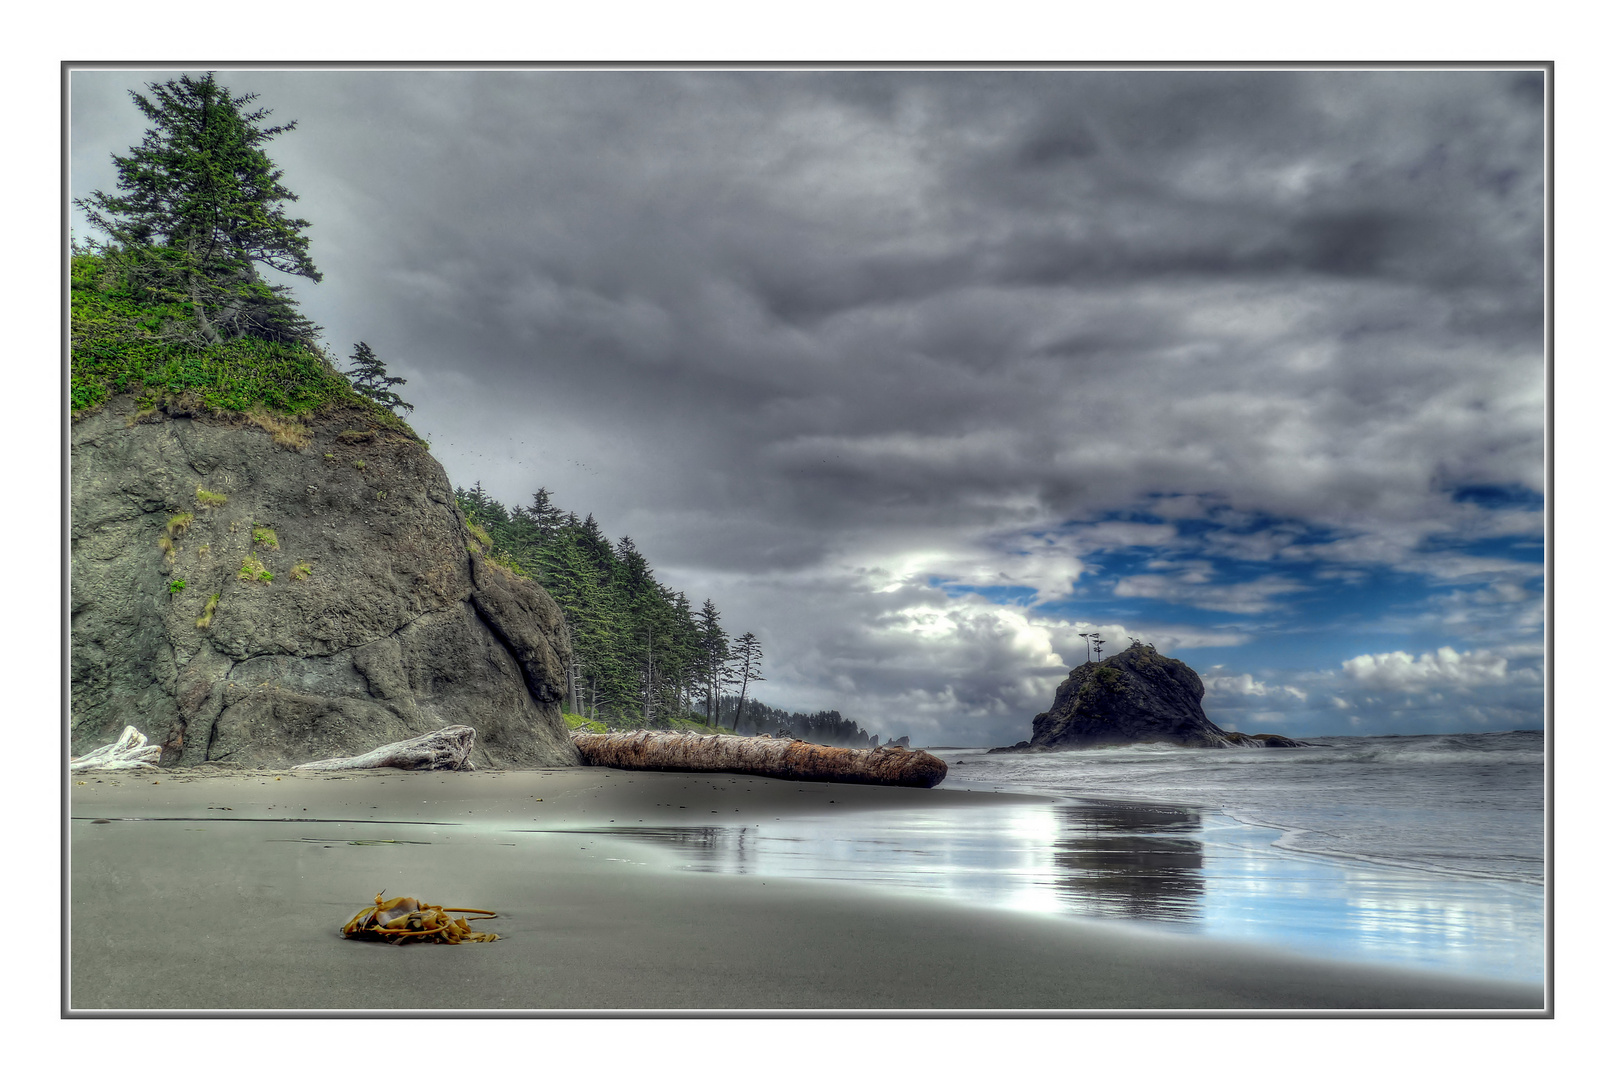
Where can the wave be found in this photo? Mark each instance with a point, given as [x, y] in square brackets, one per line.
[1492, 748]
[1299, 841]
[1466, 805]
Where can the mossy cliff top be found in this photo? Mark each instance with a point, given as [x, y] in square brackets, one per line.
[128, 339]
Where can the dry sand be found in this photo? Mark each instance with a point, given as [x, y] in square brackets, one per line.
[212, 890]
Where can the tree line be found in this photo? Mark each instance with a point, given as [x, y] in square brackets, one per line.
[828, 726]
[641, 654]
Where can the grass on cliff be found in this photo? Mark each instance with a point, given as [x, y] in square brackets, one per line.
[207, 612]
[128, 341]
[253, 569]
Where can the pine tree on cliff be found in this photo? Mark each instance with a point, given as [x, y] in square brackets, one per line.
[200, 209]
[369, 377]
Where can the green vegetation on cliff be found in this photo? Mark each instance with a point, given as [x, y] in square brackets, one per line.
[173, 308]
[127, 338]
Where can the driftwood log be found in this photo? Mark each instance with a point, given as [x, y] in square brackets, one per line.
[784, 759]
[449, 748]
[129, 752]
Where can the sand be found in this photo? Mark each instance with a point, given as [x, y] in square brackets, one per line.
[208, 889]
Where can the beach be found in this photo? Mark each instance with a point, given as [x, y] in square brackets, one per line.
[213, 889]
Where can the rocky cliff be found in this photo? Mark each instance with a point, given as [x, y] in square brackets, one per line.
[272, 593]
[1136, 696]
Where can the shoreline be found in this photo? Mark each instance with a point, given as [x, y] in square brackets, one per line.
[224, 889]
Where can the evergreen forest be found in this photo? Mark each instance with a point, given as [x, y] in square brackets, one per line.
[642, 655]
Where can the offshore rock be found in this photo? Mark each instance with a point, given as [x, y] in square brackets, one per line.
[1136, 696]
[269, 599]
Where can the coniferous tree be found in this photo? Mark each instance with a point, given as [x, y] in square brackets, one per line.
[369, 377]
[200, 209]
[714, 655]
[746, 667]
[640, 654]
[544, 511]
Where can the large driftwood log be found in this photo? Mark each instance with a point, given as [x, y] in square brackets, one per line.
[449, 748]
[785, 759]
[129, 752]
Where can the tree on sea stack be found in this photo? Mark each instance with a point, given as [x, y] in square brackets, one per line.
[369, 377]
[200, 209]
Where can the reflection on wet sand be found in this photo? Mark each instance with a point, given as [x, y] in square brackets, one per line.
[1130, 862]
[1176, 868]
[1109, 861]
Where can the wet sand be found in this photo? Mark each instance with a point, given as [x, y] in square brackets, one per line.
[224, 890]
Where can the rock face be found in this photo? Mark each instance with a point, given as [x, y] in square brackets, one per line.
[1136, 696]
[332, 598]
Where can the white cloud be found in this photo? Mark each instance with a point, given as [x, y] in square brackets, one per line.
[1247, 686]
[1446, 667]
[1045, 563]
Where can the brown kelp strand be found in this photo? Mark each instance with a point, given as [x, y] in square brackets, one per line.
[404, 919]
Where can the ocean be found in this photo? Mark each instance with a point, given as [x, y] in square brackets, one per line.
[1422, 850]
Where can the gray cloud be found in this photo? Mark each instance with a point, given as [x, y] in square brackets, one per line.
[778, 326]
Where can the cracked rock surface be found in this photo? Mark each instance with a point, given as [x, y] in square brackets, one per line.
[379, 619]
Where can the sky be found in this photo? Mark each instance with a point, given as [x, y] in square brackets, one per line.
[919, 375]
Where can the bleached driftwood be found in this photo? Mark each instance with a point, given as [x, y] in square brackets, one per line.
[449, 748]
[129, 752]
[785, 759]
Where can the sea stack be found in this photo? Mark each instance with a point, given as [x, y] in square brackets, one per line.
[272, 597]
[1136, 696]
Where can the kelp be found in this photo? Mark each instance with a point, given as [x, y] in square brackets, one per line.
[404, 919]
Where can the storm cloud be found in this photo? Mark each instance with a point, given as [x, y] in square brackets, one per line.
[920, 374]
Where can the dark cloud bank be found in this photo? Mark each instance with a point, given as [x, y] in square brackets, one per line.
[920, 374]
